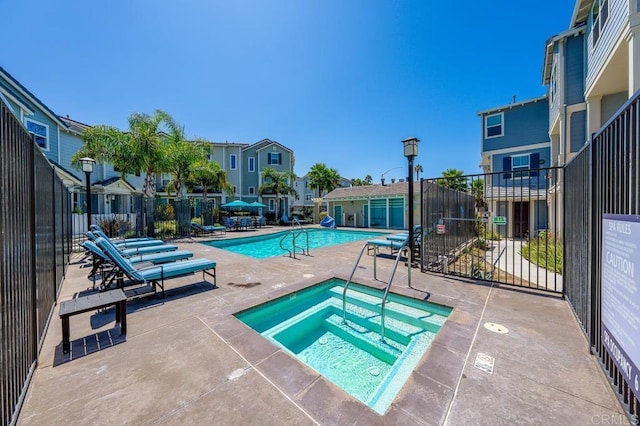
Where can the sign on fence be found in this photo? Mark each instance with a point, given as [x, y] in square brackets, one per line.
[441, 228]
[620, 289]
[499, 220]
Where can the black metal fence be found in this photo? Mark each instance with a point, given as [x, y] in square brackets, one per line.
[34, 251]
[500, 227]
[608, 169]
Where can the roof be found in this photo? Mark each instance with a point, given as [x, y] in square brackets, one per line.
[580, 13]
[74, 125]
[513, 105]
[371, 191]
[266, 142]
[25, 93]
[113, 180]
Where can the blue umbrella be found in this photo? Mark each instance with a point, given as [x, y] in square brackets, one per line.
[236, 204]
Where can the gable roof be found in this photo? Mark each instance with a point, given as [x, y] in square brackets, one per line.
[112, 180]
[371, 191]
[265, 143]
[23, 94]
[581, 12]
[74, 125]
[513, 105]
[548, 51]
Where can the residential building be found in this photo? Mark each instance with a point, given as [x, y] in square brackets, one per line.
[244, 164]
[514, 144]
[59, 138]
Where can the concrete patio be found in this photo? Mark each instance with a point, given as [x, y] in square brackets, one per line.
[188, 360]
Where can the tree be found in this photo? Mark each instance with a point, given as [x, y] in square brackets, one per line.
[210, 176]
[278, 183]
[139, 150]
[368, 180]
[454, 179]
[418, 169]
[321, 177]
[181, 156]
[477, 190]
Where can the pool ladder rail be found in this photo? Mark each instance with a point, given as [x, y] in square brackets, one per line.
[296, 231]
[367, 245]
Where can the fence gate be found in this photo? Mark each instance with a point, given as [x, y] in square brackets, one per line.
[502, 227]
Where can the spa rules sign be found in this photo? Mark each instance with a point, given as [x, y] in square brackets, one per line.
[621, 294]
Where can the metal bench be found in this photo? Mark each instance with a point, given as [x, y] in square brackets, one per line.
[95, 301]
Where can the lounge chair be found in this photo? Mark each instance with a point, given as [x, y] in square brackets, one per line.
[394, 245]
[131, 244]
[207, 229]
[285, 220]
[154, 276]
[262, 221]
[103, 263]
[95, 227]
[136, 250]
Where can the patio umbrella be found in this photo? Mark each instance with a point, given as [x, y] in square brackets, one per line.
[235, 204]
[257, 204]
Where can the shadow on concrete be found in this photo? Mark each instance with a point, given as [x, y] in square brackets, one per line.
[89, 344]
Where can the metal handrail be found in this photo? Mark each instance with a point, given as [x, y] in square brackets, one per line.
[282, 240]
[386, 291]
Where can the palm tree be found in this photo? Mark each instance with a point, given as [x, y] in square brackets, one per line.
[210, 176]
[278, 183]
[181, 156]
[418, 169]
[140, 150]
[477, 190]
[454, 179]
[321, 177]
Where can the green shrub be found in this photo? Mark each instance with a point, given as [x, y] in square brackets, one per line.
[165, 212]
[492, 236]
[545, 251]
[323, 215]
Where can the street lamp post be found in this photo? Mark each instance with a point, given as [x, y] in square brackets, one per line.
[410, 151]
[87, 168]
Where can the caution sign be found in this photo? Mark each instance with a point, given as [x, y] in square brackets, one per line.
[441, 229]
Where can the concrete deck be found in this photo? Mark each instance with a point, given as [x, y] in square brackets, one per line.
[187, 360]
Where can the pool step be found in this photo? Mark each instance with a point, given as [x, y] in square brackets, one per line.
[370, 320]
[407, 314]
[365, 339]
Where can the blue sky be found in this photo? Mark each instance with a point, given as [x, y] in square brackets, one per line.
[338, 81]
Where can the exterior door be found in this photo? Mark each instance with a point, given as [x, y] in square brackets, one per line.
[520, 219]
[337, 215]
[365, 215]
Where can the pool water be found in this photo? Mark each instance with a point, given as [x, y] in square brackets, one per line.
[263, 246]
[309, 324]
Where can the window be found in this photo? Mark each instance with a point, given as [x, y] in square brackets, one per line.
[493, 125]
[524, 164]
[274, 158]
[307, 197]
[599, 16]
[40, 133]
[272, 205]
[232, 162]
[252, 190]
[252, 164]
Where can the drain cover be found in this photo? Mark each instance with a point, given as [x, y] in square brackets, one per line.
[374, 371]
[484, 362]
[496, 328]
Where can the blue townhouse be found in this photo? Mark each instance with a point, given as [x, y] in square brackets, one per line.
[515, 143]
[59, 138]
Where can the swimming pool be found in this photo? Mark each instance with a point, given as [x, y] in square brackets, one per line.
[309, 324]
[263, 246]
